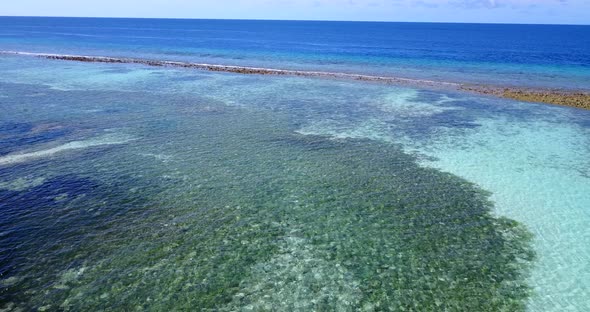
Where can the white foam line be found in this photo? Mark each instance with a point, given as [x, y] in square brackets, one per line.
[12, 159]
[235, 69]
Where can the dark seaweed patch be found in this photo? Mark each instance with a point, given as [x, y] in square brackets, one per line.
[28, 215]
[425, 127]
[14, 128]
[19, 136]
[54, 225]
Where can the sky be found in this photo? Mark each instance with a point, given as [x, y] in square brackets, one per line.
[478, 11]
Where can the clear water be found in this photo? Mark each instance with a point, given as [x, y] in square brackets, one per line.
[126, 187]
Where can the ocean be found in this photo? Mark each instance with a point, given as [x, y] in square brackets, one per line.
[136, 187]
[536, 55]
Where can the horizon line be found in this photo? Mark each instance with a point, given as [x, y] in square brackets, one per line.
[290, 20]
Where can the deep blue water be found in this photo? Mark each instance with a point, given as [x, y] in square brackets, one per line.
[544, 55]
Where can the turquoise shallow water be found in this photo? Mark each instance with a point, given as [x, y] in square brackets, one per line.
[134, 188]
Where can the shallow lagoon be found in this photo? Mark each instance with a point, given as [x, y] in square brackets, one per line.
[220, 191]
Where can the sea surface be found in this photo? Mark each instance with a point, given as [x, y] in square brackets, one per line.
[127, 187]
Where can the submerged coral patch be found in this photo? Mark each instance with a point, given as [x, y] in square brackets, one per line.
[267, 219]
[18, 135]
[223, 207]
